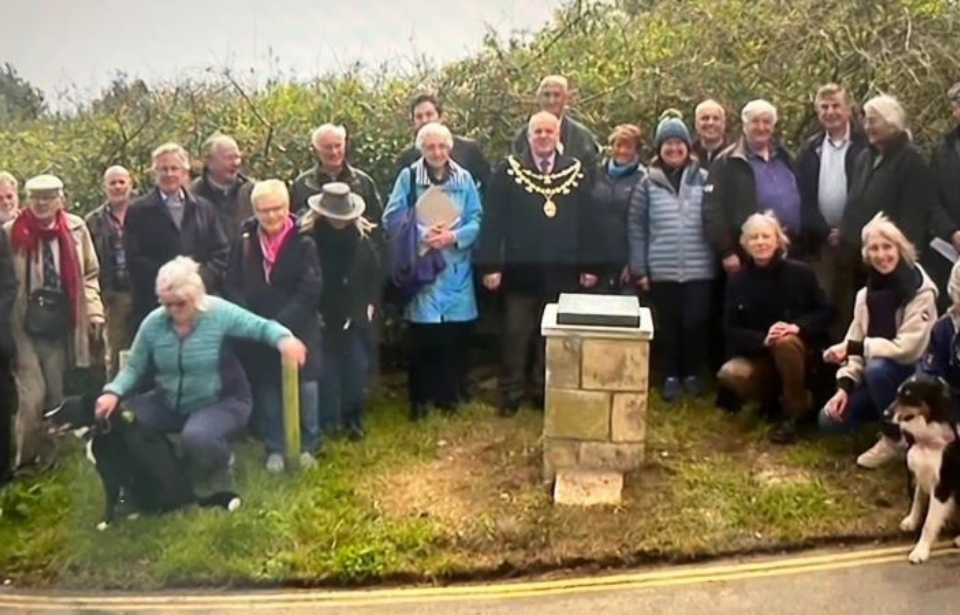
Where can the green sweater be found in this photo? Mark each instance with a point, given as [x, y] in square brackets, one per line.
[188, 368]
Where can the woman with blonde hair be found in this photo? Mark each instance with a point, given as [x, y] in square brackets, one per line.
[893, 316]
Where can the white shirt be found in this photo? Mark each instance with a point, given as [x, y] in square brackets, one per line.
[832, 190]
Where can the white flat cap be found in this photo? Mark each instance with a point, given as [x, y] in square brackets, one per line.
[43, 183]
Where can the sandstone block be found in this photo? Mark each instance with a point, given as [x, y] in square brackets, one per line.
[621, 457]
[628, 419]
[588, 488]
[563, 362]
[558, 454]
[577, 415]
[615, 365]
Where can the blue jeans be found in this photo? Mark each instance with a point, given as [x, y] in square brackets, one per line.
[868, 401]
[343, 376]
[268, 401]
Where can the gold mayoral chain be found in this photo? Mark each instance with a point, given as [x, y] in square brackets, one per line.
[568, 179]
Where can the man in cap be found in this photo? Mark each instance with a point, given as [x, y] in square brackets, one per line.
[57, 308]
[223, 185]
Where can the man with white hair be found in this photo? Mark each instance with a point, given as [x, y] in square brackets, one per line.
[223, 184]
[575, 139]
[710, 121]
[539, 240]
[329, 144]
[755, 175]
[171, 221]
[9, 199]
[105, 224]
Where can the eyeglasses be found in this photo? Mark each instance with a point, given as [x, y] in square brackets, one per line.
[174, 304]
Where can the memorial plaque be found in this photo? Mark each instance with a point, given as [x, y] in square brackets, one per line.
[598, 310]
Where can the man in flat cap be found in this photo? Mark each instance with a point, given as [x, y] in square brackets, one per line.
[57, 308]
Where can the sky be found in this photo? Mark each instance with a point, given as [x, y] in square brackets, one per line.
[78, 46]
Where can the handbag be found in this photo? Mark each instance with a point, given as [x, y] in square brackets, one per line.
[48, 311]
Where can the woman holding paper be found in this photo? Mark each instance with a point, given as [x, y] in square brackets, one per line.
[448, 215]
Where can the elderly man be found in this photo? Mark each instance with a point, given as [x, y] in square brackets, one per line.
[223, 185]
[755, 175]
[106, 229]
[824, 169]
[575, 139]
[57, 309]
[538, 240]
[9, 199]
[8, 350]
[710, 121]
[170, 221]
[425, 109]
[329, 144]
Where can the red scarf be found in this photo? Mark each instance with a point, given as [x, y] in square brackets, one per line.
[27, 235]
[270, 247]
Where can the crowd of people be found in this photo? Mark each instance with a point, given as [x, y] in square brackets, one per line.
[812, 277]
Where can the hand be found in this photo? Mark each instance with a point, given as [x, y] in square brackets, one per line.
[834, 237]
[371, 310]
[836, 406]
[96, 327]
[732, 264]
[644, 284]
[955, 240]
[588, 280]
[106, 405]
[440, 239]
[491, 281]
[625, 275]
[293, 350]
[836, 354]
[781, 329]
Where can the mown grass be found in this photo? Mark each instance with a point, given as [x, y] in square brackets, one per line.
[455, 497]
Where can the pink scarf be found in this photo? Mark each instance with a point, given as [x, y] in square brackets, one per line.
[270, 247]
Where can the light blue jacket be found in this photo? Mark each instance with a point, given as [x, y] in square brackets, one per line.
[188, 369]
[451, 297]
[665, 229]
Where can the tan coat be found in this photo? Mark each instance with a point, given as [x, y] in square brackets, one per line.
[31, 389]
[914, 323]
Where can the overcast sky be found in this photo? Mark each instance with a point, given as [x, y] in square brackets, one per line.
[56, 44]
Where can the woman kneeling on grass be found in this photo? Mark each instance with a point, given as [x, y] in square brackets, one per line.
[892, 320]
[776, 319]
[199, 388]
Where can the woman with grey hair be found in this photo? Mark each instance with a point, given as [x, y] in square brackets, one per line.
[199, 388]
[776, 319]
[892, 319]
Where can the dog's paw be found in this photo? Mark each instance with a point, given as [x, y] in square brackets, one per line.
[103, 525]
[909, 524]
[234, 505]
[920, 554]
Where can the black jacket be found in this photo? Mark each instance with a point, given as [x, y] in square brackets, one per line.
[232, 206]
[8, 293]
[611, 202]
[151, 239]
[946, 169]
[311, 182]
[577, 141]
[350, 265]
[815, 228]
[758, 297]
[107, 235]
[901, 185]
[535, 252]
[290, 297]
[730, 197]
[465, 152]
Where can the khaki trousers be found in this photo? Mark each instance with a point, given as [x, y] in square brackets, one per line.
[779, 376]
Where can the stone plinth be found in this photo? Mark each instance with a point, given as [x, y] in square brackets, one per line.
[596, 404]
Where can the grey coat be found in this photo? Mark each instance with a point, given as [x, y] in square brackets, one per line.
[667, 242]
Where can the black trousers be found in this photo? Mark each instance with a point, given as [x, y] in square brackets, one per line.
[682, 314]
[8, 405]
[438, 363]
[521, 329]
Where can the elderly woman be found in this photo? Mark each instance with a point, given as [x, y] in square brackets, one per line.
[199, 389]
[615, 181]
[274, 273]
[351, 289]
[57, 307]
[892, 319]
[9, 199]
[671, 258]
[776, 319]
[448, 220]
[754, 175]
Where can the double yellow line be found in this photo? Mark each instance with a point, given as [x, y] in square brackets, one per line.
[326, 599]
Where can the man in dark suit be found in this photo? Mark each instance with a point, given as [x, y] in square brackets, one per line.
[170, 221]
[536, 243]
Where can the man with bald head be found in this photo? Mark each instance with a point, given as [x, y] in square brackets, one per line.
[710, 119]
[222, 184]
[574, 139]
[538, 241]
[105, 224]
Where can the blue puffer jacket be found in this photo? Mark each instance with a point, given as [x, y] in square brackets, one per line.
[451, 296]
[667, 242]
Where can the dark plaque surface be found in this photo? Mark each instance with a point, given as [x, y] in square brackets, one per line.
[598, 310]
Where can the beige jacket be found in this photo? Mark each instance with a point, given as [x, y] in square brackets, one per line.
[914, 323]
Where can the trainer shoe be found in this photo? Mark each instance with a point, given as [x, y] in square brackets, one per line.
[884, 451]
[672, 390]
[275, 463]
[307, 460]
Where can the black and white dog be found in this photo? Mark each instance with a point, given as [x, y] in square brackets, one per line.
[923, 411]
[132, 460]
